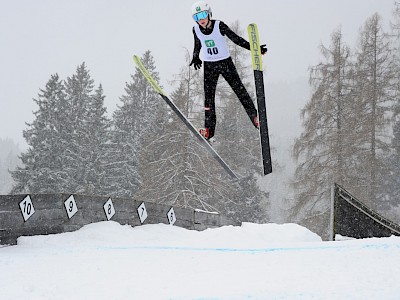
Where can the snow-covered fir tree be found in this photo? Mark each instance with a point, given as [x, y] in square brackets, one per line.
[66, 140]
[135, 123]
[85, 134]
[43, 166]
[94, 139]
[79, 88]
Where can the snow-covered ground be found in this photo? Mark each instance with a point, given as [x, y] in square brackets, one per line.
[109, 261]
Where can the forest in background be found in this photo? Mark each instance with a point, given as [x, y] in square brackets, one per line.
[350, 135]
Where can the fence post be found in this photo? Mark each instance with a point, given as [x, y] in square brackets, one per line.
[332, 215]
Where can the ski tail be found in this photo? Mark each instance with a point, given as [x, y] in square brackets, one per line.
[262, 110]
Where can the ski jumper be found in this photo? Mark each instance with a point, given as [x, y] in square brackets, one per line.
[212, 44]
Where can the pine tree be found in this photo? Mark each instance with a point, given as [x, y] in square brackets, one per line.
[86, 135]
[67, 139]
[326, 142]
[79, 90]
[42, 169]
[95, 136]
[135, 123]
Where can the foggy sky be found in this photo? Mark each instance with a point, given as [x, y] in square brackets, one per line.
[43, 37]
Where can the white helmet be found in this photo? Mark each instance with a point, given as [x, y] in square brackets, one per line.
[199, 7]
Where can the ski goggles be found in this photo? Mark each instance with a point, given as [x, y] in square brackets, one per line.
[201, 15]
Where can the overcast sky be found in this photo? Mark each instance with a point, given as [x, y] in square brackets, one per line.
[43, 37]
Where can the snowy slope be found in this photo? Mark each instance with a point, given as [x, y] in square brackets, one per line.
[110, 261]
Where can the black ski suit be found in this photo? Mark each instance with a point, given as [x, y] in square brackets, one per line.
[227, 69]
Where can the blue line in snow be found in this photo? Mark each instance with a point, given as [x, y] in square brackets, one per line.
[248, 250]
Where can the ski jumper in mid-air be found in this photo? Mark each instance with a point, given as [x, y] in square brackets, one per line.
[209, 39]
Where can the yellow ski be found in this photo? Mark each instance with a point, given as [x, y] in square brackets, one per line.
[262, 110]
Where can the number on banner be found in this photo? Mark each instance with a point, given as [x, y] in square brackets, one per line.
[70, 206]
[109, 209]
[171, 216]
[26, 207]
[142, 212]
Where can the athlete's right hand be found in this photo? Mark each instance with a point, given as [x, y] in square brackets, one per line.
[196, 62]
[263, 49]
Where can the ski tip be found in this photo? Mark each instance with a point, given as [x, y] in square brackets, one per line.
[252, 25]
[136, 59]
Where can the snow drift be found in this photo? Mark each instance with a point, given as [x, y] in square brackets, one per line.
[107, 260]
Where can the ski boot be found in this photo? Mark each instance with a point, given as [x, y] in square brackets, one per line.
[205, 133]
[256, 123]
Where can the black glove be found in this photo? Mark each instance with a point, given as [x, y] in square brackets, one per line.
[196, 62]
[263, 49]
